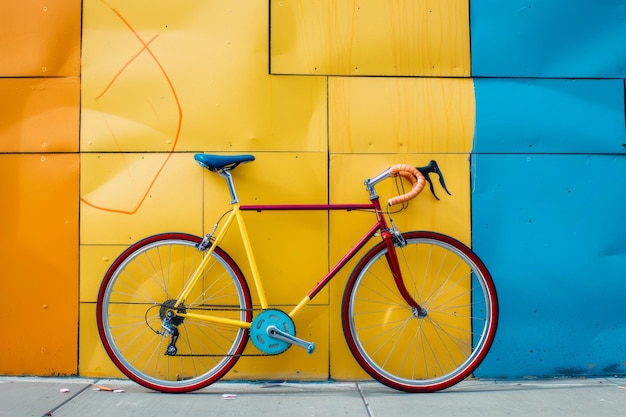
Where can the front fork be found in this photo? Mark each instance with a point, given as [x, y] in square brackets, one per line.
[393, 238]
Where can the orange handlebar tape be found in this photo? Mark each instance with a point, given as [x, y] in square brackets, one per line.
[413, 175]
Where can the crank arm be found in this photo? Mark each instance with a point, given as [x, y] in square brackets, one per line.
[276, 333]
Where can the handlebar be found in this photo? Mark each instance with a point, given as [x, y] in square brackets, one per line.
[412, 174]
[417, 176]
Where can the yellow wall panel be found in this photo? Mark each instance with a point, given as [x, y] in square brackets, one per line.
[39, 263]
[94, 361]
[125, 197]
[43, 38]
[94, 262]
[382, 115]
[370, 37]
[291, 250]
[39, 114]
[191, 78]
[255, 112]
[450, 215]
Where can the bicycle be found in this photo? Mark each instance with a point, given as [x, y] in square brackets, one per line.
[419, 310]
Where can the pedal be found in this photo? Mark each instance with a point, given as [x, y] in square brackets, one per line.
[276, 333]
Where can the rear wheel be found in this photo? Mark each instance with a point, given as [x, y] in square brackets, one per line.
[429, 351]
[178, 354]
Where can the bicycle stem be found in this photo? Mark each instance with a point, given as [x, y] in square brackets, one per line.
[370, 183]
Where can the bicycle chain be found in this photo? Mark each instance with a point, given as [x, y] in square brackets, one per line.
[211, 355]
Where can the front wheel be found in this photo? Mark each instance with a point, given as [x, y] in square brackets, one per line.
[445, 343]
[139, 291]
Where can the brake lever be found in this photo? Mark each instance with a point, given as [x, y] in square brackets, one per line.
[433, 168]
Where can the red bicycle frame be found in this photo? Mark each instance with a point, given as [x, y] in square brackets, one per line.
[380, 225]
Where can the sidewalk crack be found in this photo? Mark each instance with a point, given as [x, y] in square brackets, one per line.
[55, 409]
[370, 413]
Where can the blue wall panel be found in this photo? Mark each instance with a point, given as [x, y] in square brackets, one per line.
[548, 38]
[551, 230]
[548, 204]
[549, 116]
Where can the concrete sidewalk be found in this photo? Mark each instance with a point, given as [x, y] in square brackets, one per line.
[78, 397]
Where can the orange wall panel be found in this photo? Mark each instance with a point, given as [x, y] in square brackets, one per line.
[39, 114]
[39, 118]
[44, 38]
[39, 263]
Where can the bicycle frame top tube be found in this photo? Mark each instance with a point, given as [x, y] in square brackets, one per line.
[307, 207]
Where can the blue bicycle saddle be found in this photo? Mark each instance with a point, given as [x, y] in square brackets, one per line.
[221, 162]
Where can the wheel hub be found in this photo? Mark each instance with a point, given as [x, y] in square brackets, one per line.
[169, 306]
[420, 314]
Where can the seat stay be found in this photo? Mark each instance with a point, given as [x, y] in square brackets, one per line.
[235, 213]
[189, 286]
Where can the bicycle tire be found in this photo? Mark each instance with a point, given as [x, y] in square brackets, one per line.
[139, 287]
[396, 346]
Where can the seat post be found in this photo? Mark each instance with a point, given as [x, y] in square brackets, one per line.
[231, 185]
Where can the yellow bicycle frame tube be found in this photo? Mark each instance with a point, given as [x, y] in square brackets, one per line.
[235, 214]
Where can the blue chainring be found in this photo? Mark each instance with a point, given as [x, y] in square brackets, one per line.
[263, 341]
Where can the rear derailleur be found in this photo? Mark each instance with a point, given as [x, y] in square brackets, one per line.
[169, 323]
